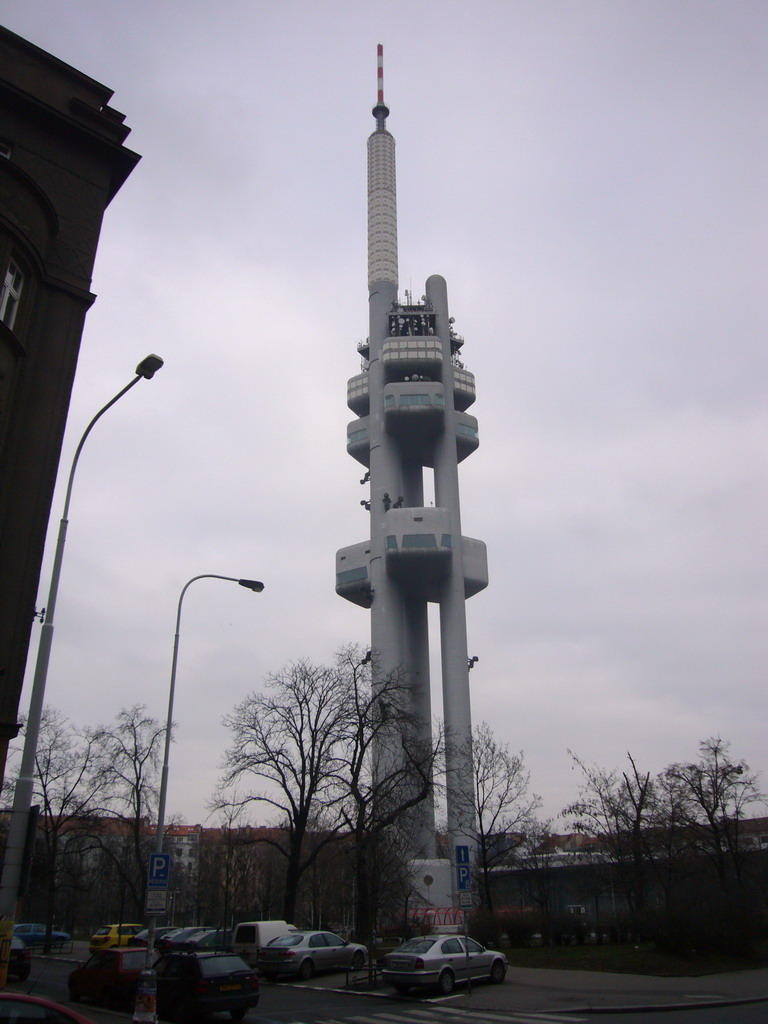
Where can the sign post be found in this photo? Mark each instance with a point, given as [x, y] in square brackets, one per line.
[155, 904]
[464, 889]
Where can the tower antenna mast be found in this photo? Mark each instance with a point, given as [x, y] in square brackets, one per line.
[380, 111]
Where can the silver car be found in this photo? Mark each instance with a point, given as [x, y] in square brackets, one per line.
[442, 961]
[303, 953]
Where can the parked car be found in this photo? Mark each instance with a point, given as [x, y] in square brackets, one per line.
[143, 935]
[177, 939]
[191, 984]
[213, 939]
[110, 935]
[34, 935]
[17, 1007]
[303, 953]
[250, 936]
[109, 977]
[442, 961]
[20, 961]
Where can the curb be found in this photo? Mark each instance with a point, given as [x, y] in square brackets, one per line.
[708, 1004]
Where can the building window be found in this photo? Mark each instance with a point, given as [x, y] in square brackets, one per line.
[419, 540]
[10, 294]
[466, 430]
[352, 575]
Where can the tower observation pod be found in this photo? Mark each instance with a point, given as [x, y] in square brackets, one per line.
[411, 401]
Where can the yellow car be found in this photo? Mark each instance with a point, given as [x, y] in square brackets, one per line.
[110, 935]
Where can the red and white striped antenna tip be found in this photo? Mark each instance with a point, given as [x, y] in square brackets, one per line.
[380, 111]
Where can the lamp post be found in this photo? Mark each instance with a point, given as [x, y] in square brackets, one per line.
[17, 832]
[257, 587]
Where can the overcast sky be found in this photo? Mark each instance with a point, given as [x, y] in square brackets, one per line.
[590, 178]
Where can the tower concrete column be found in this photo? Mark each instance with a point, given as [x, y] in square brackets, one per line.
[453, 618]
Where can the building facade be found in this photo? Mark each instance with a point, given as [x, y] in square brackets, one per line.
[62, 160]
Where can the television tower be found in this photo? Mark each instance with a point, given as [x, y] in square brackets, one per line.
[411, 400]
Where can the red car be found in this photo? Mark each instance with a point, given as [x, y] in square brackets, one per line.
[14, 1006]
[109, 977]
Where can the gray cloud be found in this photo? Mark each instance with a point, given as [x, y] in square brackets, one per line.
[590, 180]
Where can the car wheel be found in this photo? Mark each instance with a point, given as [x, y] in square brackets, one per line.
[74, 995]
[402, 989]
[498, 970]
[268, 975]
[445, 982]
[307, 969]
[237, 1014]
[23, 974]
[358, 960]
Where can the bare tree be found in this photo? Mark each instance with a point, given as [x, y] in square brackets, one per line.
[504, 808]
[337, 760]
[69, 783]
[713, 795]
[132, 750]
[535, 900]
[288, 738]
[619, 809]
[232, 861]
[385, 773]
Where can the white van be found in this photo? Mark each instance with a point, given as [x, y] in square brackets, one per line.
[250, 935]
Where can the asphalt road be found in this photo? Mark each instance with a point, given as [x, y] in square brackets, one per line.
[324, 1001]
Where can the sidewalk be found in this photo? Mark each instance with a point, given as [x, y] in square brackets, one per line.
[535, 990]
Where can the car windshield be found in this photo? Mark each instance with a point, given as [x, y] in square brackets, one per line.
[287, 940]
[417, 946]
[103, 931]
[134, 960]
[210, 966]
[100, 959]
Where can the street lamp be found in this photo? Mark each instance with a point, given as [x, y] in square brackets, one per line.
[257, 587]
[17, 832]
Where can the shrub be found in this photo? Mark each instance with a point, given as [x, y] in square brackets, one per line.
[486, 927]
[713, 922]
[520, 926]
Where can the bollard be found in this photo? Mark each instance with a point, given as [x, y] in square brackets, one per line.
[145, 1009]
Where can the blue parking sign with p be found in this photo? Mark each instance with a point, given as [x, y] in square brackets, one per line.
[159, 870]
[463, 871]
